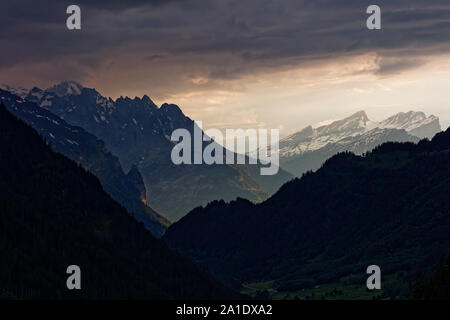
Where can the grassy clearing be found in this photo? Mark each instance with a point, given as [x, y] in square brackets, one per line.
[329, 291]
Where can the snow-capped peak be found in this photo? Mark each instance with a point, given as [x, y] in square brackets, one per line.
[356, 122]
[315, 137]
[360, 116]
[408, 121]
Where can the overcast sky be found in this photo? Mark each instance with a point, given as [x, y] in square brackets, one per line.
[240, 63]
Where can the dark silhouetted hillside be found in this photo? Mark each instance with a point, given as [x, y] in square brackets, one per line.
[436, 287]
[53, 213]
[390, 208]
[89, 151]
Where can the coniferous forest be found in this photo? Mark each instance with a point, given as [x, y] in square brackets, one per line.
[54, 214]
[389, 207]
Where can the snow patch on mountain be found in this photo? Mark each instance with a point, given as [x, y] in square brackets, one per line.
[323, 123]
[316, 137]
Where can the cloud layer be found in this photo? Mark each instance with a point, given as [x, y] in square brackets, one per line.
[167, 48]
[224, 38]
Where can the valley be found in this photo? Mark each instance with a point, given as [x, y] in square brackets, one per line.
[309, 148]
[313, 234]
[349, 288]
[389, 207]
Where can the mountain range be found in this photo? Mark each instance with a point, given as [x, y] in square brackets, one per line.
[90, 152]
[309, 148]
[138, 133]
[54, 214]
[389, 207]
[369, 201]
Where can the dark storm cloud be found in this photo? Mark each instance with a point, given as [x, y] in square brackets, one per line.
[256, 34]
[154, 57]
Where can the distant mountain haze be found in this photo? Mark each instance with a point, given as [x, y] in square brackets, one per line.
[139, 132]
[309, 148]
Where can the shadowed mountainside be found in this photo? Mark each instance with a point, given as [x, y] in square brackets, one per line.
[390, 208]
[138, 132]
[89, 151]
[53, 213]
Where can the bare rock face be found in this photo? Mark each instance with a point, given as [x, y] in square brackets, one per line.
[89, 152]
[135, 178]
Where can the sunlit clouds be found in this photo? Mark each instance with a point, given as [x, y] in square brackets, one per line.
[280, 64]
